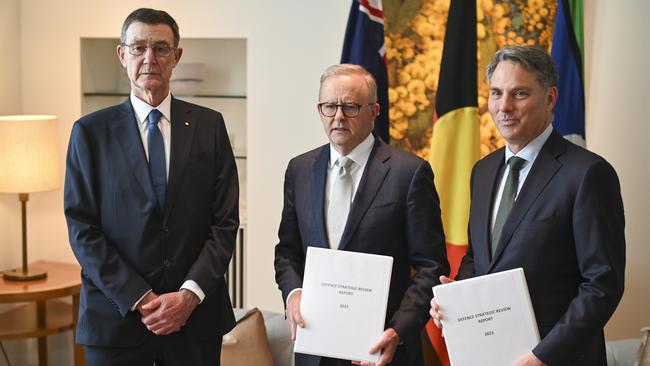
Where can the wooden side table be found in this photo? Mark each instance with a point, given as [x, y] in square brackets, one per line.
[42, 314]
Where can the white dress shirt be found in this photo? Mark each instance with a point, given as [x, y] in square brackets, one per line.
[529, 154]
[360, 156]
[142, 110]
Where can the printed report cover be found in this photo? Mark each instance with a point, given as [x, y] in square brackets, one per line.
[344, 298]
[487, 320]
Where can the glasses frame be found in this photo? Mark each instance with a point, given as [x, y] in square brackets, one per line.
[340, 106]
[151, 47]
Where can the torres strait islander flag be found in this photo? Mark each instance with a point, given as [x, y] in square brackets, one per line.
[364, 45]
[567, 51]
[455, 144]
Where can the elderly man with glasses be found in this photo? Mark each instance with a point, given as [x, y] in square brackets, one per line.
[151, 202]
[359, 194]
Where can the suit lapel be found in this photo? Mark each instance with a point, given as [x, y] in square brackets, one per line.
[318, 179]
[485, 196]
[125, 129]
[372, 179]
[183, 125]
[544, 168]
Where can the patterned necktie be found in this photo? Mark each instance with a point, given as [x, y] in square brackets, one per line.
[507, 198]
[157, 165]
[339, 201]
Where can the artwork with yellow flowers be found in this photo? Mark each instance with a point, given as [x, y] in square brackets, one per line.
[414, 35]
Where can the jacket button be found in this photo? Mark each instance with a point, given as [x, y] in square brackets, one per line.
[165, 229]
[167, 263]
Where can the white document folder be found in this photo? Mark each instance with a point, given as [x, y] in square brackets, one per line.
[487, 320]
[344, 298]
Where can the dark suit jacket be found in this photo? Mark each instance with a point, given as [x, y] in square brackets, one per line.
[395, 212]
[566, 229]
[123, 241]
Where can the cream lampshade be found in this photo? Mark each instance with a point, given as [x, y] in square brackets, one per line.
[29, 162]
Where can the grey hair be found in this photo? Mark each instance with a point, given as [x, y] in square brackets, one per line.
[532, 58]
[351, 69]
[152, 17]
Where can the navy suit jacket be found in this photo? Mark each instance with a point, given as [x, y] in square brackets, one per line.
[126, 245]
[566, 229]
[395, 212]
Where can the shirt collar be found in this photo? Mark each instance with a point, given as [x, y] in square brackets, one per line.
[142, 109]
[530, 151]
[359, 154]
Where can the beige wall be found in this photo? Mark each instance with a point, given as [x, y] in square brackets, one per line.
[289, 44]
[10, 96]
[617, 47]
[10, 49]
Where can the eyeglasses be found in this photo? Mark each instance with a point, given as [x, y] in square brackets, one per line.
[349, 109]
[159, 49]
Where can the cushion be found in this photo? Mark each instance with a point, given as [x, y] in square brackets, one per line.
[247, 344]
[622, 352]
[279, 335]
[644, 351]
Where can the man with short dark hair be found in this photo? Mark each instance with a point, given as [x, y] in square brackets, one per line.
[359, 194]
[551, 207]
[151, 202]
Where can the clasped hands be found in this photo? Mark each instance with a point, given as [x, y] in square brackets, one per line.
[529, 359]
[387, 343]
[167, 313]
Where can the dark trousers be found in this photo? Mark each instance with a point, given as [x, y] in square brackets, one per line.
[325, 361]
[401, 358]
[171, 350]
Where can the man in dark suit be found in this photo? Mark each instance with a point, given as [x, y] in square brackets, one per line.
[391, 208]
[151, 202]
[566, 224]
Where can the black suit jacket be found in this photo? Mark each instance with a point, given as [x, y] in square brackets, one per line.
[566, 229]
[126, 245]
[395, 212]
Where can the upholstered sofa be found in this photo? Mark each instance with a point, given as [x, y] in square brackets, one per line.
[261, 338]
[630, 352]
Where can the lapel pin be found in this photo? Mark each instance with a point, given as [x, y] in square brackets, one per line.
[187, 123]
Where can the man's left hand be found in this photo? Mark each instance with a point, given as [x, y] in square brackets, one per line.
[171, 311]
[387, 345]
[529, 359]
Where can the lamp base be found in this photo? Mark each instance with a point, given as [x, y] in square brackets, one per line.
[18, 274]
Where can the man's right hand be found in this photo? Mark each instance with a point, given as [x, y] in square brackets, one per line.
[293, 313]
[150, 296]
[435, 309]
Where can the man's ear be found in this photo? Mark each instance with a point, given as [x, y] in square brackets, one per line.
[177, 55]
[120, 54]
[552, 97]
[376, 108]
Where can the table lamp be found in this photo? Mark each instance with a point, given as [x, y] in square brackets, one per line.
[29, 162]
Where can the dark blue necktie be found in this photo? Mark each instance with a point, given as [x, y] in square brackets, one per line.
[157, 166]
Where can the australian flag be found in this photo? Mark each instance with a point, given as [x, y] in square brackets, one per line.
[364, 45]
